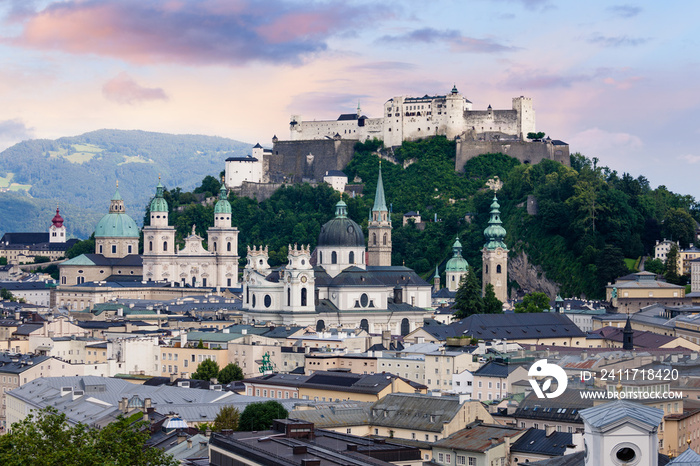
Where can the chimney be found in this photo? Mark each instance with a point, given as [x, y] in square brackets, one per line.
[123, 405]
[549, 430]
[146, 403]
[386, 338]
[207, 433]
[173, 377]
[189, 443]
[181, 437]
[398, 295]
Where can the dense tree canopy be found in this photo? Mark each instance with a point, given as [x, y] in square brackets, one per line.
[468, 299]
[533, 302]
[227, 418]
[230, 373]
[207, 370]
[46, 438]
[259, 416]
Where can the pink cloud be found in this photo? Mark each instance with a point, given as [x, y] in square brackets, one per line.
[623, 84]
[203, 32]
[124, 90]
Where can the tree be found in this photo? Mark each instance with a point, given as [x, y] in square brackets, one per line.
[259, 416]
[46, 438]
[227, 418]
[654, 266]
[207, 370]
[41, 259]
[671, 273]
[610, 265]
[7, 295]
[533, 302]
[200, 345]
[492, 305]
[535, 136]
[3, 260]
[82, 247]
[230, 373]
[468, 299]
[679, 226]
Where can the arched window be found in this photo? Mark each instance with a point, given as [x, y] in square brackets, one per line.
[165, 245]
[303, 296]
[364, 325]
[320, 257]
[374, 239]
[247, 295]
[498, 268]
[486, 268]
[228, 246]
[253, 300]
[289, 296]
[129, 249]
[352, 257]
[334, 257]
[384, 239]
[150, 246]
[320, 326]
[194, 283]
[405, 327]
[100, 249]
[214, 247]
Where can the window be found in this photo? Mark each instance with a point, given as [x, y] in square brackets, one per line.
[114, 249]
[303, 296]
[228, 246]
[448, 458]
[498, 268]
[384, 239]
[129, 249]
[352, 257]
[334, 257]
[441, 457]
[461, 459]
[472, 461]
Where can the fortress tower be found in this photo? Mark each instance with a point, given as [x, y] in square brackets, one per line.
[379, 230]
[495, 255]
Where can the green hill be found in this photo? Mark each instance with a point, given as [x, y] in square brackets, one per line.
[80, 174]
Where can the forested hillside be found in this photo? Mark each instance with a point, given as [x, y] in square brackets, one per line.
[80, 174]
[590, 218]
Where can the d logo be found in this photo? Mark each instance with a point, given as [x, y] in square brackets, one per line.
[541, 369]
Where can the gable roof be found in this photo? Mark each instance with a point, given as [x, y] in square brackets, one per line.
[610, 414]
[517, 326]
[478, 437]
[536, 441]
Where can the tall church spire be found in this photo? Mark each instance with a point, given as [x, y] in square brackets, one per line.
[379, 199]
[379, 229]
[495, 232]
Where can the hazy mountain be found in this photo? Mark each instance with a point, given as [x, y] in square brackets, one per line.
[80, 174]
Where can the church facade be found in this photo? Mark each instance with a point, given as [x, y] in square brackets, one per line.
[335, 285]
[192, 264]
[21, 248]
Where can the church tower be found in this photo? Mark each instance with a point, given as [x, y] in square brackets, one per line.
[379, 229]
[57, 231]
[628, 336]
[456, 267]
[495, 255]
[223, 241]
[158, 237]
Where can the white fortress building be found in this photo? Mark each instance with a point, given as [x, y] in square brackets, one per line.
[412, 118]
[247, 168]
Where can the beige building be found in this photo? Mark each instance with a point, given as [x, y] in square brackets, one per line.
[493, 381]
[641, 290]
[495, 255]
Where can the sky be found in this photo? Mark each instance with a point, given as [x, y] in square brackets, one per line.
[616, 80]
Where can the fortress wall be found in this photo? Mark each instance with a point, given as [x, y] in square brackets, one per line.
[257, 191]
[296, 161]
[526, 152]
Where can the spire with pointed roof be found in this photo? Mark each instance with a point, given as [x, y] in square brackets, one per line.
[379, 199]
[627, 335]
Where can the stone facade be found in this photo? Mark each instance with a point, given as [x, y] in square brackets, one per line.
[526, 152]
[307, 160]
[495, 255]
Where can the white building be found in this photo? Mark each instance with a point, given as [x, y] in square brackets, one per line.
[662, 247]
[337, 179]
[410, 118]
[248, 168]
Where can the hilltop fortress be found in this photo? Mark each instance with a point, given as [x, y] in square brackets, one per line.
[315, 147]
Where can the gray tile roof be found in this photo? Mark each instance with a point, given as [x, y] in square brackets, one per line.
[687, 458]
[478, 437]
[536, 441]
[102, 395]
[613, 413]
[496, 369]
[517, 326]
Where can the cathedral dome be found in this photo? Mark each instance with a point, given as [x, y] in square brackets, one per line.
[341, 231]
[117, 225]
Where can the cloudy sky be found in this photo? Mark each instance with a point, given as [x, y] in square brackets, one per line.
[617, 81]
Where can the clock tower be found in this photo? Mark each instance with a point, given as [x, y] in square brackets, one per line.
[495, 255]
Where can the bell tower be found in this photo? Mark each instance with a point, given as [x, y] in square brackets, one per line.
[495, 255]
[379, 230]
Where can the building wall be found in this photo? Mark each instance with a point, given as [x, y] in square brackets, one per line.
[77, 274]
[240, 171]
[299, 160]
[526, 152]
[495, 271]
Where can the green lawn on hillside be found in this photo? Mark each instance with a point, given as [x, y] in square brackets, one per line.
[5, 180]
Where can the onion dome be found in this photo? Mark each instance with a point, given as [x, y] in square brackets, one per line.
[57, 220]
[223, 206]
[158, 204]
[116, 223]
[495, 232]
[457, 263]
[341, 231]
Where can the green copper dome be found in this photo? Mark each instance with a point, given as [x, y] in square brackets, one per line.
[116, 225]
[495, 232]
[457, 263]
[158, 204]
[223, 206]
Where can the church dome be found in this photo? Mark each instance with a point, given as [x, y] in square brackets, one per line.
[158, 204]
[117, 225]
[341, 231]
